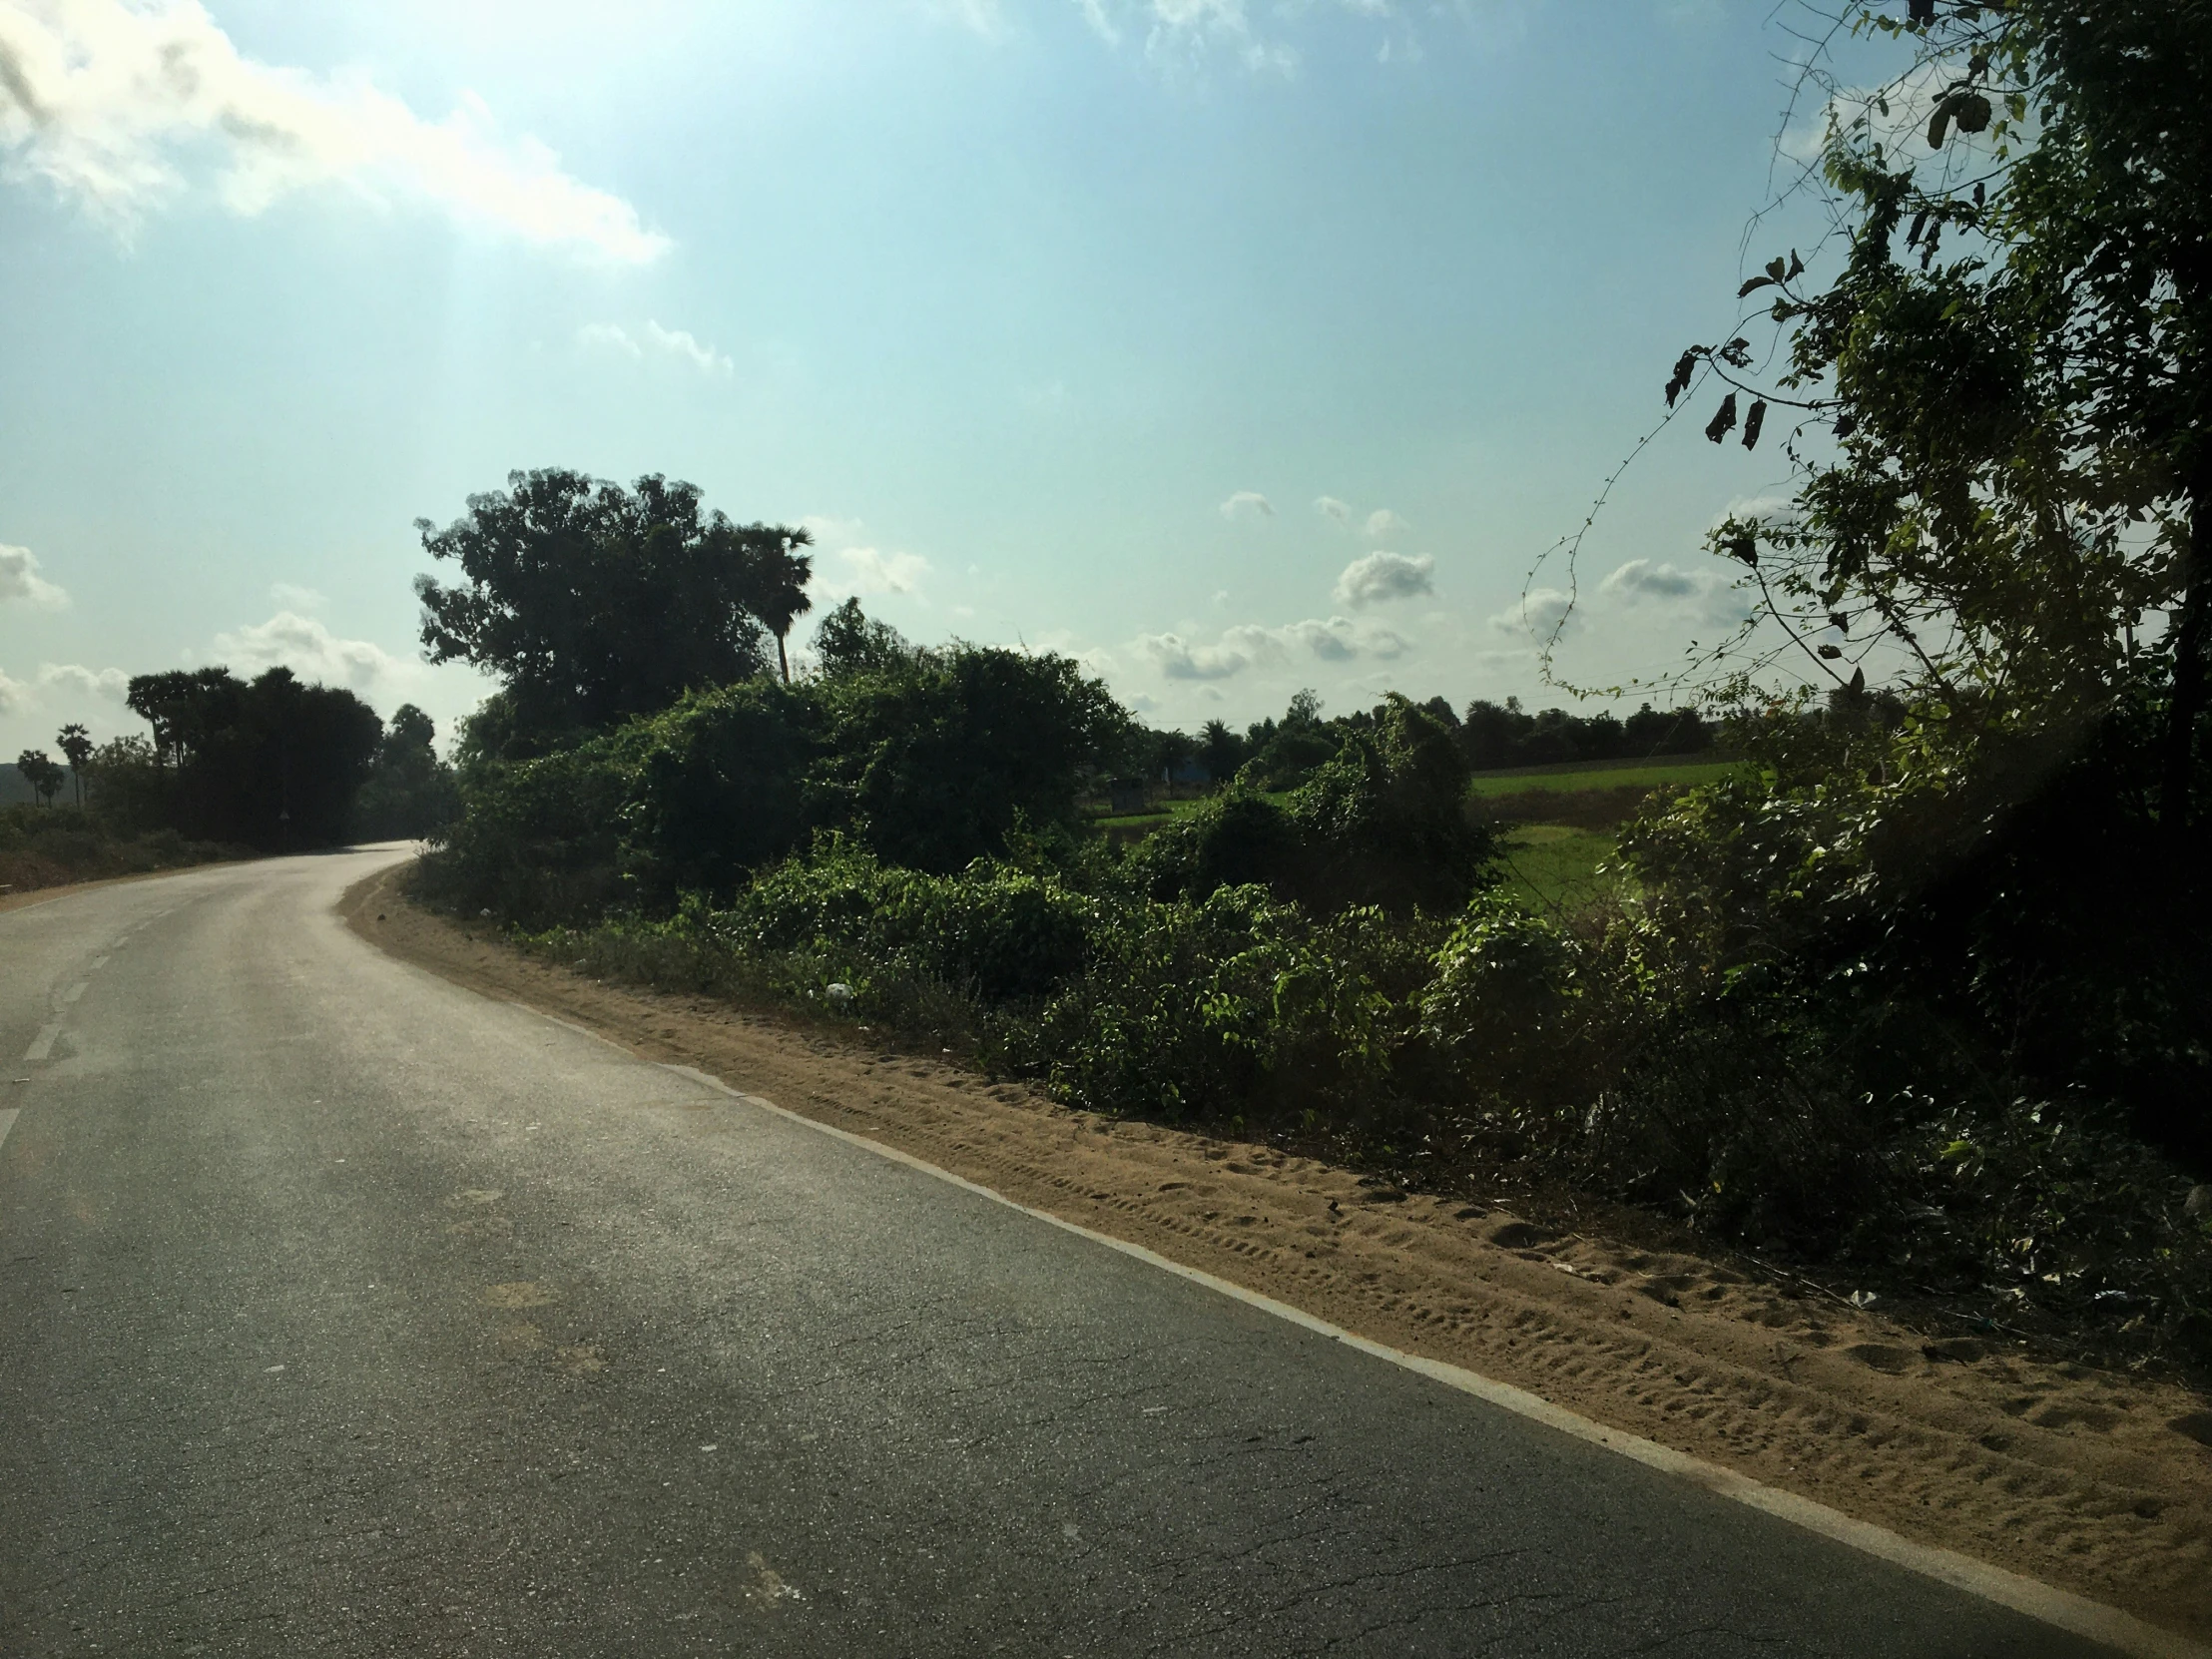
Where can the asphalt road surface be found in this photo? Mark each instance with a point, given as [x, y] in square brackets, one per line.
[344, 1311]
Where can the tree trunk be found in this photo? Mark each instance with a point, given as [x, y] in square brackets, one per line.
[2187, 701]
[783, 662]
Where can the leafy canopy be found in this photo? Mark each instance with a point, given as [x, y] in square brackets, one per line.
[2002, 396]
[594, 603]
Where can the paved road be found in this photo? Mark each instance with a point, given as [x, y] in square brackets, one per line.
[342, 1311]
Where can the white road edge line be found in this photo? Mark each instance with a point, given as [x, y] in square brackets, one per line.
[42, 1044]
[2063, 1608]
[7, 1122]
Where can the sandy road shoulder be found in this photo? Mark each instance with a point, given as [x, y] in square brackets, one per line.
[2097, 1482]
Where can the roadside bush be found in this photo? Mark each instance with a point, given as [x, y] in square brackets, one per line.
[935, 759]
[997, 934]
[1383, 822]
[1866, 1006]
[930, 760]
[540, 842]
[1238, 1005]
[49, 847]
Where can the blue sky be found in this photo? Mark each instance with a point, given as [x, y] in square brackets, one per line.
[1233, 346]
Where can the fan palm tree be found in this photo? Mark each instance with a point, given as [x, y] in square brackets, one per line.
[780, 574]
[76, 743]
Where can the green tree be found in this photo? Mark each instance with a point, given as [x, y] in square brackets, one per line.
[76, 743]
[1221, 751]
[934, 760]
[593, 603]
[1381, 820]
[270, 762]
[850, 641]
[1999, 397]
[409, 792]
[777, 574]
[41, 774]
[2003, 399]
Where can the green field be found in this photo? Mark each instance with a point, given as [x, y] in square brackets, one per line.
[1648, 774]
[1547, 866]
[1550, 866]
[1167, 809]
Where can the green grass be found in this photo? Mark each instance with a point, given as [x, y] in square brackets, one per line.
[1169, 809]
[1649, 774]
[1550, 866]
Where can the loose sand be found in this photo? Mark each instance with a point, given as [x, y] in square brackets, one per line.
[2095, 1481]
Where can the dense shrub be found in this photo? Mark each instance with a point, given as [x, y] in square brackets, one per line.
[933, 759]
[1237, 1004]
[47, 846]
[995, 933]
[928, 758]
[1383, 822]
[1864, 1003]
[540, 842]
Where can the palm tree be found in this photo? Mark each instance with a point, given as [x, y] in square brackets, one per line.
[41, 774]
[76, 743]
[780, 573]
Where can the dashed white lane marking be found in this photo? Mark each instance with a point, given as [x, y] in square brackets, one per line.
[7, 1122]
[2044, 1602]
[74, 992]
[42, 1044]
[98, 962]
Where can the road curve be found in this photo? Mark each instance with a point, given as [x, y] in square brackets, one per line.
[344, 1311]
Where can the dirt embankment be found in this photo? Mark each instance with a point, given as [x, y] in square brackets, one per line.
[2094, 1481]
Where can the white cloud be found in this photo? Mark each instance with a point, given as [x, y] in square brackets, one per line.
[1337, 640]
[1382, 522]
[1248, 504]
[870, 571]
[312, 651]
[680, 343]
[1541, 615]
[293, 598]
[1641, 579]
[1330, 507]
[1094, 13]
[20, 580]
[672, 343]
[109, 684]
[1178, 658]
[979, 16]
[1188, 33]
[1895, 114]
[1340, 640]
[108, 103]
[1381, 577]
[843, 565]
[12, 693]
[609, 337]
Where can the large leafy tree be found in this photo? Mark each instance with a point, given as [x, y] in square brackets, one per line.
[2001, 402]
[594, 603]
[270, 762]
[934, 758]
[408, 789]
[1993, 387]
